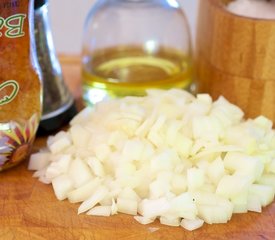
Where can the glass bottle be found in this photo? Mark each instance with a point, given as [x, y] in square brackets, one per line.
[133, 45]
[20, 83]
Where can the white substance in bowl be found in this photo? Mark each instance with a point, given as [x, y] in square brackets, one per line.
[253, 8]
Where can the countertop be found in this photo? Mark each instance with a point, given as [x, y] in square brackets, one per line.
[30, 211]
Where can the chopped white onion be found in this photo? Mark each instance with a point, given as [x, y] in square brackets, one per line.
[170, 155]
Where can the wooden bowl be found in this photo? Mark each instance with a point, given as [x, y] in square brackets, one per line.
[235, 57]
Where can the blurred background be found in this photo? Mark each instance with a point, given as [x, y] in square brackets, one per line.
[68, 16]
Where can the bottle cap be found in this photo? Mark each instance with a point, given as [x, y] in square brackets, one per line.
[39, 3]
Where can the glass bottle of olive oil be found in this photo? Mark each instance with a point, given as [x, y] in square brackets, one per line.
[131, 46]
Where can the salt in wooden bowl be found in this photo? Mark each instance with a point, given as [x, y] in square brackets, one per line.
[235, 57]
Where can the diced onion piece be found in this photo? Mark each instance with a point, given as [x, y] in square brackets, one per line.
[184, 206]
[244, 165]
[264, 192]
[144, 220]
[59, 166]
[215, 170]
[264, 123]
[267, 179]
[80, 136]
[170, 221]
[98, 195]
[127, 206]
[240, 202]
[254, 203]
[213, 213]
[102, 151]
[129, 193]
[84, 192]
[195, 178]
[104, 211]
[44, 179]
[62, 185]
[210, 200]
[39, 160]
[79, 172]
[191, 224]
[132, 149]
[40, 173]
[205, 98]
[58, 145]
[230, 186]
[207, 127]
[82, 116]
[96, 166]
[153, 208]
[178, 183]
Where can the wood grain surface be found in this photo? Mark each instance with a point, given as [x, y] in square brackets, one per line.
[30, 211]
[235, 58]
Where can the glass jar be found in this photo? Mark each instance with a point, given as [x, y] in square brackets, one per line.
[130, 46]
[20, 82]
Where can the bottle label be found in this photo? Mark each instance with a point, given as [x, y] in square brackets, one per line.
[16, 139]
[8, 91]
[12, 26]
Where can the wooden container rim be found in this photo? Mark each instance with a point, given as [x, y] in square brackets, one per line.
[220, 4]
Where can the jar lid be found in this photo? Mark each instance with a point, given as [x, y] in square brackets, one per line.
[39, 3]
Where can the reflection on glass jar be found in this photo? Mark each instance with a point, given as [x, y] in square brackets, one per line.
[132, 45]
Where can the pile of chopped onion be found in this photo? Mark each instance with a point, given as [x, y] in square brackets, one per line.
[170, 156]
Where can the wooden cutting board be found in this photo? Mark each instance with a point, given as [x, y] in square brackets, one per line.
[30, 211]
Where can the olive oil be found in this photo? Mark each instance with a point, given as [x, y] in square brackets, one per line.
[130, 70]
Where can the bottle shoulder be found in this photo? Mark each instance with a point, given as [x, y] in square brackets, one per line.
[125, 6]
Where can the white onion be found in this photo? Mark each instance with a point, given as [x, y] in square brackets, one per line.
[182, 159]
